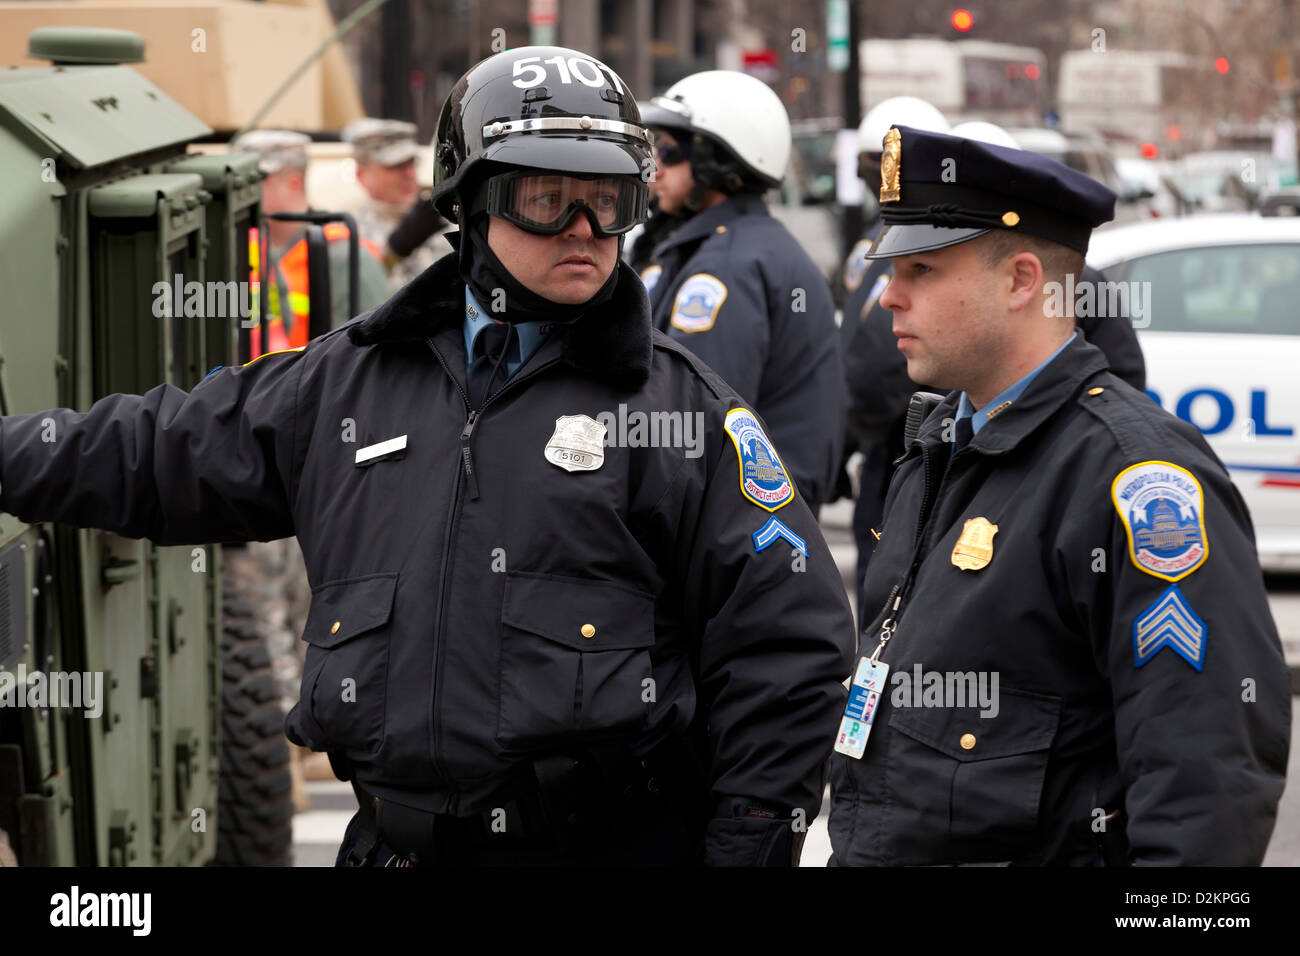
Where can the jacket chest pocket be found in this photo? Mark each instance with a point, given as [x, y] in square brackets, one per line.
[575, 660]
[346, 674]
[979, 779]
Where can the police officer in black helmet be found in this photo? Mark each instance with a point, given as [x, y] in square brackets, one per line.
[566, 604]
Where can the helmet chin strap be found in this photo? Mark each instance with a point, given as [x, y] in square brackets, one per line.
[694, 201]
[710, 171]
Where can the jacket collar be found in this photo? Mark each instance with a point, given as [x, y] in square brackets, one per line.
[701, 224]
[1051, 388]
[610, 343]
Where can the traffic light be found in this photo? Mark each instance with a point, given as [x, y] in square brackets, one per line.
[962, 20]
[1221, 64]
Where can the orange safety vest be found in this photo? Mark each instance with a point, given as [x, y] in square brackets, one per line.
[292, 268]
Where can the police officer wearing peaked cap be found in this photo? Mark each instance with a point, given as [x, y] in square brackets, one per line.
[1070, 657]
[875, 371]
[730, 283]
[530, 640]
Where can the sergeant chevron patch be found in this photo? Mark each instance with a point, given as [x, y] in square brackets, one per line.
[774, 529]
[1169, 621]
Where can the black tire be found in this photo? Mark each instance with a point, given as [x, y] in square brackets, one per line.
[254, 805]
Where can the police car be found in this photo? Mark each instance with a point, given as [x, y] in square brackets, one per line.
[1215, 300]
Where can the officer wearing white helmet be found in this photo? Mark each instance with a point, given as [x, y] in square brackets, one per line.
[731, 283]
[985, 132]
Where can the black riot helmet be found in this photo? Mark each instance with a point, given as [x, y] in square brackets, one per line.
[538, 107]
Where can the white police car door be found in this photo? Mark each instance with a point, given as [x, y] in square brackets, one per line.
[1221, 337]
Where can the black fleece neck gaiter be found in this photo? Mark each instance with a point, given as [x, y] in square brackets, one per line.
[484, 273]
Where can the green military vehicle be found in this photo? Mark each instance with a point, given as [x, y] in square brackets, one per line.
[139, 719]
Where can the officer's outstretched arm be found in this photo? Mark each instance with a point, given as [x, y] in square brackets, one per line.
[211, 465]
[1200, 687]
[775, 638]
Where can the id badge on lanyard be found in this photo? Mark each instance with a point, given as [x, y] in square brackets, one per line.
[860, 712]
[864, 694]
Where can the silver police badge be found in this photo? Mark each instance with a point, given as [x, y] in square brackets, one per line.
[578, 444]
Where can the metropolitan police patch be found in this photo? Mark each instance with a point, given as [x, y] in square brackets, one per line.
[650, 276]
[1171, 622]
[763, 478]
[1163, 510]
[698, 302]
[855, 266]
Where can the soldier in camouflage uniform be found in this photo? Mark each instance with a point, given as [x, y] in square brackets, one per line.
[385, 152]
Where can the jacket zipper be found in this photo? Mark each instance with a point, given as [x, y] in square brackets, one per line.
[464, 469]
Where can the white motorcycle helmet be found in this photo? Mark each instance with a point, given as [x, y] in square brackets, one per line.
[734, 111]
[897, 111]
[984, 132]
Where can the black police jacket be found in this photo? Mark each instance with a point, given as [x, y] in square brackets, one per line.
[765, 322]
[1099, 706]
[474, 605]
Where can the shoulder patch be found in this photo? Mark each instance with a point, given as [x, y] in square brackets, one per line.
[650, 276]
[1163, 510]
[763, 478]
[877, 290]
[855, 266]
[1170, 622]
[698, 302]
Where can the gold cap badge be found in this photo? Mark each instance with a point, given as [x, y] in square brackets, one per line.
[891, 164]
[974, 549]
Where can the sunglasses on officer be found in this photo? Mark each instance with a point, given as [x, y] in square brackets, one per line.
[545, 203]
[672, 152]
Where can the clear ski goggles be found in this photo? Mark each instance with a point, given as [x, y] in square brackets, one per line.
[545, 203]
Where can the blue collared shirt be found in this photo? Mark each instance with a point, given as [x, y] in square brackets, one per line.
[998, 404]
[531, 334]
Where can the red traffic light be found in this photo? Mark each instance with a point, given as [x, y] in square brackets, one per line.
[1221, 64]
[962, 20]
[1150, 151]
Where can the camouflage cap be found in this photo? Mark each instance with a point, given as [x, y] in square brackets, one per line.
[386, 142]
[277, 148]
